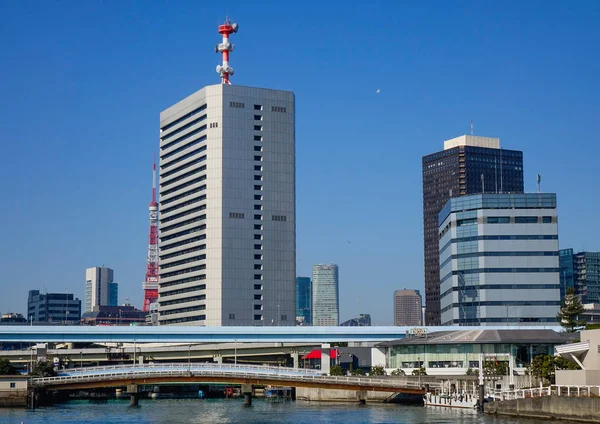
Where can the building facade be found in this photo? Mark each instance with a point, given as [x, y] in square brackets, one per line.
[53, 307]
[114, 315]
[407, 307]
[582, 271]
[100, 288]
[363, 320]
[498, 257]
[227, 208]
[303, 301]
[325, 295]
[457, 171]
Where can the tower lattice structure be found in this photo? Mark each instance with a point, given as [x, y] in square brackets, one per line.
[150, 284]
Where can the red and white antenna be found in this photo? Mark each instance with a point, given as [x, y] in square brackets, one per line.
[225, 47]
[150, 284]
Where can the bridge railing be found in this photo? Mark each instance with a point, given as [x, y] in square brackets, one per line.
[554, 390]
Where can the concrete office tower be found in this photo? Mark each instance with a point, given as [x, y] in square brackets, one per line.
[407, 307]
[53, 307]
[303, 301]
[581, 271]
[227, 241]
[100, 289]
[457, 171]
[325, 295]
[498, 258]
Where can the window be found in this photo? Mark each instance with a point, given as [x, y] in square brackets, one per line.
[258, 227]
[258, 148]
[258, 158]
[257, 187]
[470, 221]
[526, 220]
[214, 125]
[258, 118]
[236, 215]
[258, 217]
[231, 316]
[258, 167]
[281, 218]
[237, 105]
[258, 138]
[258, 307]
[258, 257]
[258, 128]
[13, 385]
[258, 317]
[258, 207]
[257, 276]
[258, 297]
[498, 219]
[258, 247]
[258, 107]
[258, 287]
[258, 267]
[258, 237]
[258, 178]
[284, 317]
[278, 109]
[547, 219]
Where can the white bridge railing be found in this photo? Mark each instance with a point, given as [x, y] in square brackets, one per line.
[289, 375]
[575, 391]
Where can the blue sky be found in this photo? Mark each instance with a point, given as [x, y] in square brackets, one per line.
[82, 85]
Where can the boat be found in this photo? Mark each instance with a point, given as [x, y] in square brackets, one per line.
[455, 400]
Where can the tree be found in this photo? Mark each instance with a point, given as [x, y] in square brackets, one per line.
[543, 366]
[337, 370]
[356, 371]
[43, 369]
[419, 371]
[6, 368]
[571, 309]
[398, 372]
[472, 371]
[495, 368]
[377, 371]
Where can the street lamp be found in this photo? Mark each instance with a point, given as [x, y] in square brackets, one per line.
[419, 372]
[235, 351]
[189, 358]
[134, 351]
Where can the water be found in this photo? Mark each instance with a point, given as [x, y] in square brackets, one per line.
[193, 411]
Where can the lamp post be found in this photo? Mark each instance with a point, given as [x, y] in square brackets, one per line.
[235, 352]
[419, 372]
[81, 359]
[134, 351]
[189, 358]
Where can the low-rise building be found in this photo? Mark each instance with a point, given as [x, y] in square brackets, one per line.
[114, 315]
[586, 354]
[13, 390]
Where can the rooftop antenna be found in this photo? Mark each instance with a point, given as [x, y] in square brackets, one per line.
[225, 48]
[472, 128]
[539, 182]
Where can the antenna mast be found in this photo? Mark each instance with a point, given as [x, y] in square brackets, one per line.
[225, 48]
[472, 128]
[150, 284]
[539, 183]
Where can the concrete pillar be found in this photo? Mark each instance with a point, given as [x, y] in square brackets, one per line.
[361, 396]
[325, 358]
[246, 390]
[133, 391]
[218, 359]
[295, 359]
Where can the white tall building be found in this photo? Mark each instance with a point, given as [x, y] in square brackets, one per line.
[325, 295]
[100, 289]
[227, 208]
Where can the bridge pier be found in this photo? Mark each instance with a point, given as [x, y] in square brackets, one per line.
[325, 358]
[361, 395]
[134, 394]
[246, 390]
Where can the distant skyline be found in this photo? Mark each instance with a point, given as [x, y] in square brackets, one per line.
[84, 82]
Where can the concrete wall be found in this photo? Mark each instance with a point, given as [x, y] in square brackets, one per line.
[328, 395]
[550, 407]
[578, 377]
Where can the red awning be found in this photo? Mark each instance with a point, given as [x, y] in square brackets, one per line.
[316, 354]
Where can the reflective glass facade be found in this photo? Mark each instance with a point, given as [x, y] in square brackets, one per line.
[325, 295]
[582, 271]
[303, 300]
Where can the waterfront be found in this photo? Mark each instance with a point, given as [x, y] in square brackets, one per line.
[192, 411]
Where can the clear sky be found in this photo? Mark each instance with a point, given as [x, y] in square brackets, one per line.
[82, 85]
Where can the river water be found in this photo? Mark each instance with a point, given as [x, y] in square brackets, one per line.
[192, 411]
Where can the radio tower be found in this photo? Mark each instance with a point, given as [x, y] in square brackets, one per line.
[150, 284]
[225, 47]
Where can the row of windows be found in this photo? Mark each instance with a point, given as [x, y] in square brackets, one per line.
[503, 287]
[182, 243]
[181, 129]
[182, 167]
[183, 320]
[181, 311]
[282, 218]
[187, 146]
[236, 215]
[497, 320]
[186, 290]
[186, 251]
[180, 196]
[187, 299]
[182, 233]
[278, 109]
[187, 184]
[181, 158]
[238, 105]
[182, 214]
[213, 125]
[184, 176]
[504, 303]
[506, 237]
[183, 271]
[184, 117]
[498, 270]
[183, 281]
[184, 223]
[184, 261]
[495, 254]
[181, 206]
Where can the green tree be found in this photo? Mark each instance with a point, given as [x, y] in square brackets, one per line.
[495, 368]
[377, 371]
[6, 368]
[472, 371]
[43, 369]
[543, 366]
[571, 309]
[357, 371]
[398, 372]
[420, 371]
[337, 370]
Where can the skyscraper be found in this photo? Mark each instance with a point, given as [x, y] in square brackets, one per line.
[53, 307]
[325, 295]
[499, 259]
[227, 205]
[581, 270]
[100, 289]
[467, 165]
[407, 307]
[303, 300]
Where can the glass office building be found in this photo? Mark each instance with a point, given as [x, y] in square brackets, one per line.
[303, 301]
[467, 165]
[325, 295]
[581, 270]
[498, 258]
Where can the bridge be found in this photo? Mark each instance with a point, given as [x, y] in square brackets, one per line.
[200, 334]
[177, 373]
